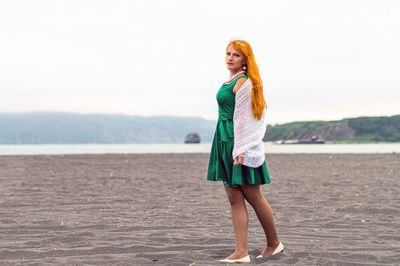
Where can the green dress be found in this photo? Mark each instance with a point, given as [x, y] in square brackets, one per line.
[220, 165]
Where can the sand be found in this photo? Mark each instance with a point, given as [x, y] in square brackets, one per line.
[146, 209]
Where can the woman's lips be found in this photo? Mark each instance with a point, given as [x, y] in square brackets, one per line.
[230, 63]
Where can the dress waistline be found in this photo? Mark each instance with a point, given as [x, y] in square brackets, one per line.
[225, 128]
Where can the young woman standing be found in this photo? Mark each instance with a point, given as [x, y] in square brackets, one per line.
[237, 154]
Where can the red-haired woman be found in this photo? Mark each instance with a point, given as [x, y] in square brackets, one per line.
[237, 154]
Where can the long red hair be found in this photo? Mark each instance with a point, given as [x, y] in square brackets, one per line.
[257, 96]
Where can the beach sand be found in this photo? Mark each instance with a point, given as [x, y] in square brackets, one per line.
[158, 209]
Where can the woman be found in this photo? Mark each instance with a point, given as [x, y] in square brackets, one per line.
[237, 154]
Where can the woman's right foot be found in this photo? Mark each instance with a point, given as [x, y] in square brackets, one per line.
[237, 255]
[236, 259]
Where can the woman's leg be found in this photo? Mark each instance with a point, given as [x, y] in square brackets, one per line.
[240, 221]
[264, 213]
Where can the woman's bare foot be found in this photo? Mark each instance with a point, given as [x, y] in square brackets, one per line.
[268, 250]
[238, 255]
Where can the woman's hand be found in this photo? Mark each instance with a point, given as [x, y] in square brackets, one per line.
[238, 160]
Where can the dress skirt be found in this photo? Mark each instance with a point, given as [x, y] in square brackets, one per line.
[220, 166]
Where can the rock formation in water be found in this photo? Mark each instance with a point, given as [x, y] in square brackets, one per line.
[192, 137]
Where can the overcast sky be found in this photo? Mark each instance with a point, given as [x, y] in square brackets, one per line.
[319, 60]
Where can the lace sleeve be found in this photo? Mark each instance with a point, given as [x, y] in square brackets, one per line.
[248, 131]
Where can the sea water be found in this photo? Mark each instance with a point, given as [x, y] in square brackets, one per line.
[36, 149]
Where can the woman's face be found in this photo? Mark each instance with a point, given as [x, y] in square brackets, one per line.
[234, 59]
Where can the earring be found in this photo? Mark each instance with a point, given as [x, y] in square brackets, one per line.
[244, 67]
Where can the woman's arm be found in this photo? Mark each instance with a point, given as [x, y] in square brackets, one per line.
[238, 85]
[240, 158]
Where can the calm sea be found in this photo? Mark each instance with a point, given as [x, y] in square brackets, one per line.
[36, 149]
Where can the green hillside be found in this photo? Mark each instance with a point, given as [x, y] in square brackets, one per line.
[360, 129]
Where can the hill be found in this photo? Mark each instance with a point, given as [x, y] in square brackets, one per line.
[75, 128]
[359, 129]
[67, 128]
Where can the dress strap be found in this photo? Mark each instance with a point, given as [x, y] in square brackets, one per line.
[241, 76]
[232, 82]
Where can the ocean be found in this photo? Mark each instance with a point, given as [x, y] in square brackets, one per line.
[43, 149]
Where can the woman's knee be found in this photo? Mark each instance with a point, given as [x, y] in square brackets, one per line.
[253, 196]
[235, 196]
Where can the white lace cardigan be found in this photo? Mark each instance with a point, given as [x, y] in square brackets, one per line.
[248, 131]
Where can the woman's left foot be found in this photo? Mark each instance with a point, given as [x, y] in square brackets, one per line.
[272, 251]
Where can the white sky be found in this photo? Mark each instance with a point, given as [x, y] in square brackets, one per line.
[319, 60]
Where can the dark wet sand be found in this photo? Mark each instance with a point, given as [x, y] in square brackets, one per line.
[330, 209]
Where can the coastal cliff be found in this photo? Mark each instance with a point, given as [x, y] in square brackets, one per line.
[360, 129]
